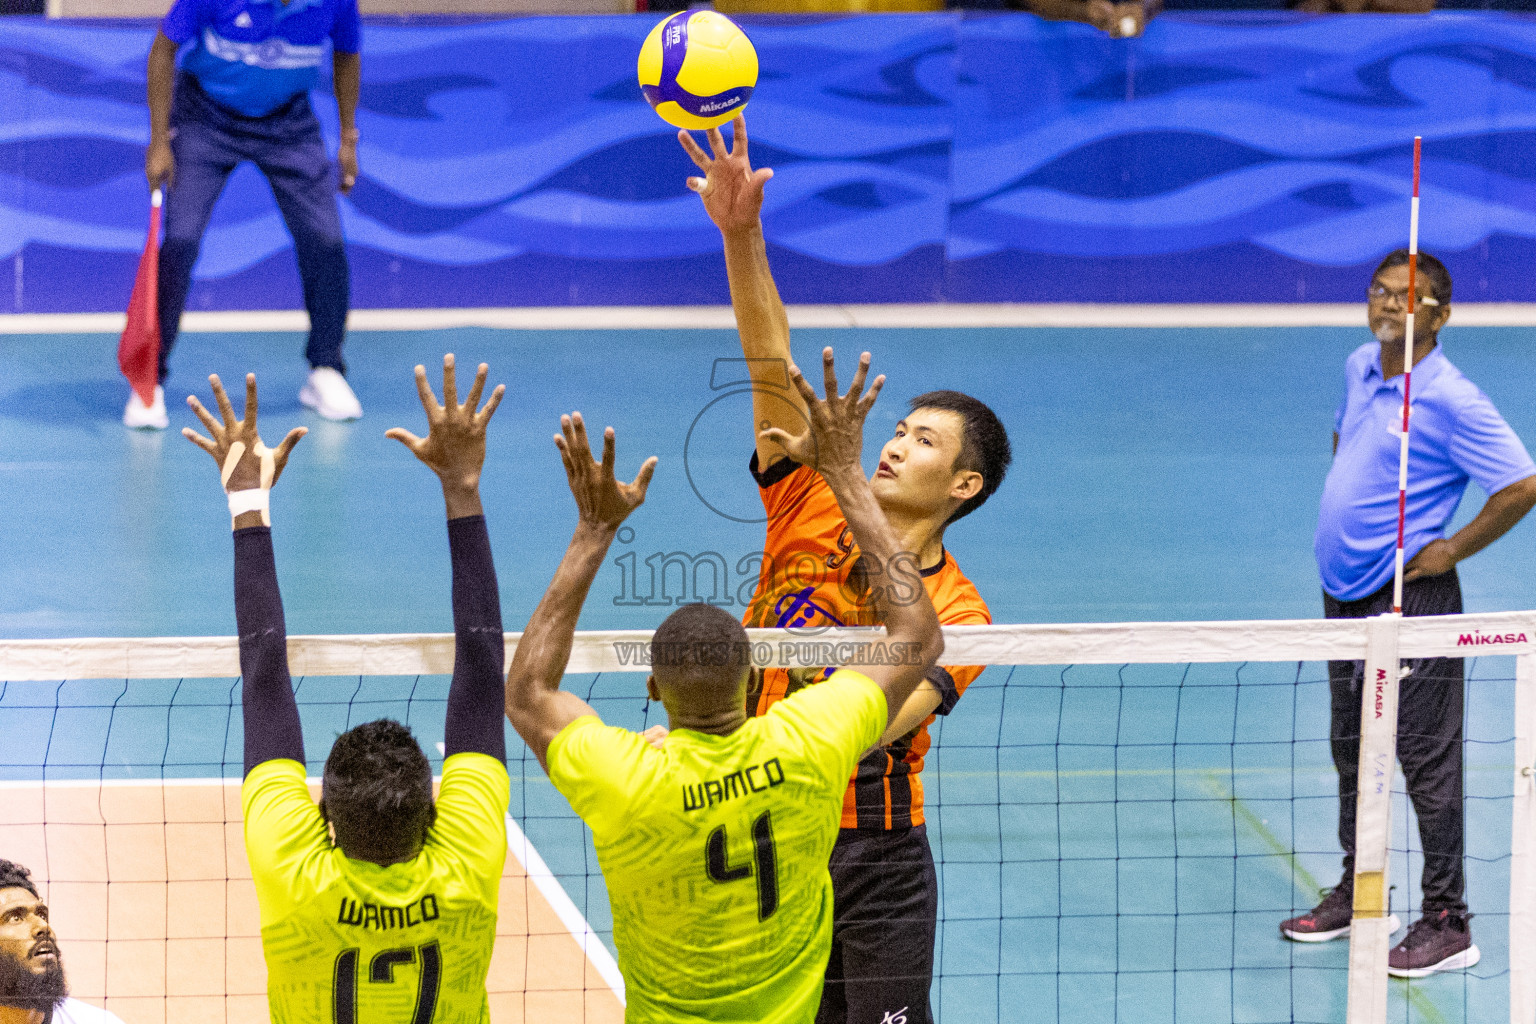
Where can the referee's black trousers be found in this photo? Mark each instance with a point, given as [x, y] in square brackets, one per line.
[1429, 713]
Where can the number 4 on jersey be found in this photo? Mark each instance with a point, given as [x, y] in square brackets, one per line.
[717, 864]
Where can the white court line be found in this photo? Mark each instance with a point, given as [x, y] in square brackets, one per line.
[560, 902]
[938, 314]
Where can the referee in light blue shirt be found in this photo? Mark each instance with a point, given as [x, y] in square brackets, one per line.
[1455, 435]
[242, 93]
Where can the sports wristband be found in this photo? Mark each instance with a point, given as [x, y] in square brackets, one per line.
[254, 500]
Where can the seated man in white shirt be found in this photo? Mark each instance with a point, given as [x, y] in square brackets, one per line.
[32, 985]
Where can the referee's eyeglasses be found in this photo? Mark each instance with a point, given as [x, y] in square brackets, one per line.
[1399, 296]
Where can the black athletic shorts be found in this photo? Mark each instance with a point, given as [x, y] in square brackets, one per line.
[885, 910]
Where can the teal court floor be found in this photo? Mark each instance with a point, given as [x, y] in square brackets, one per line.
[1114, 844]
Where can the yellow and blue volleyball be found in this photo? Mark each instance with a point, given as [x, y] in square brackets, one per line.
[697, 69]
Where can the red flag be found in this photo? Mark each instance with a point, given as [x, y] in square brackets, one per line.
[138, 352]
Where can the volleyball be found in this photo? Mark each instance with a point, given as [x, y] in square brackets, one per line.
[697, 69]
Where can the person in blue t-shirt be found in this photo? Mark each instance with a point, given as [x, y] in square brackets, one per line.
[242, 93]
[1455, 436]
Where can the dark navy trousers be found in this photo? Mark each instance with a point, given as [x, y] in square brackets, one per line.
[208, 140]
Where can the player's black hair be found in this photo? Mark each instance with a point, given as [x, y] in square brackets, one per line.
[14, 876]
[700, 643]
[984, 446]
[378, 792]
[1433, 270]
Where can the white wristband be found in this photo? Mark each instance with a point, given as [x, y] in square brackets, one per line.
[254, 500]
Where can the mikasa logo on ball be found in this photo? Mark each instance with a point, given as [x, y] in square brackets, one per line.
[708, 107]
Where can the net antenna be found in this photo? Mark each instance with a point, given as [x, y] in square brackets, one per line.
[1370, 933]
[1408, 346]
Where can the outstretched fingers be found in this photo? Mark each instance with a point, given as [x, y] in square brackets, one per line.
[405, 437]
[642, 479]
[491, 404]
[856, 388]
[717, 143]
[608, 453]
[204, 415]
[201, 441]
[868, 401]
[472, 400]
[424, 390]
[781, 437]
[693, 150]
[450, 383]
[803, 386]
[829, 373]
[574, 434]
[249, 419]
[565, 456]
[225, 409]
[739, 136]
[280, 456]
[583, 446]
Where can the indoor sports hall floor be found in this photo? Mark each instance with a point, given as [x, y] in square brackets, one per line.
[1158, 474]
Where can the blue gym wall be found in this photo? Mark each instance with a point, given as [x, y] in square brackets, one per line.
[1223, 158]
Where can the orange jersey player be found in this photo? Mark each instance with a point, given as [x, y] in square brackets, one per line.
[813, 575]
[947, 457]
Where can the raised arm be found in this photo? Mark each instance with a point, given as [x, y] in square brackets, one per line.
[248, 469]
[454, 449]
[536, 705]
[733, 197]
[833, 446]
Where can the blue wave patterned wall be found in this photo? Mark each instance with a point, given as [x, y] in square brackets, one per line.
[1241, 158]
[924, 157]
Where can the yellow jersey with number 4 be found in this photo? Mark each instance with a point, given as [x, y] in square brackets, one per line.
[715, 850]
[349, 942]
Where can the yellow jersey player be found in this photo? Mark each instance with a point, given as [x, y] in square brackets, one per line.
[714, 847]
[377, 906]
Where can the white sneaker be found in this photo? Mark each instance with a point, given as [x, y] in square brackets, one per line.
[328, 393]
[146, 417]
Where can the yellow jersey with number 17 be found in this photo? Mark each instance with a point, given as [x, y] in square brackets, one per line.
[350, 942]
[715, 850]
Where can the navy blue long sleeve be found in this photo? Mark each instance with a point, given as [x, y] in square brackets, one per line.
[271, 714]
[477, 697]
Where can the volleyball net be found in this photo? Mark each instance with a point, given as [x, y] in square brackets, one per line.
[1121, 815]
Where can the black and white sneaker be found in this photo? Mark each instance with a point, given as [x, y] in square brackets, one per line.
[1437, 942]
[1326, 921]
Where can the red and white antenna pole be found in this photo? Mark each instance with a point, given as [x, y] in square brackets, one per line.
[1408, 345]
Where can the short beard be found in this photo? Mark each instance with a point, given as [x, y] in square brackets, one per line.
[25, 989]
[1397, 333]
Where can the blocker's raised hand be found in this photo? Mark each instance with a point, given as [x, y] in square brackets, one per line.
[732, 191]
[601, 499]
[245, 463]
[835, 440]
[454, 447]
